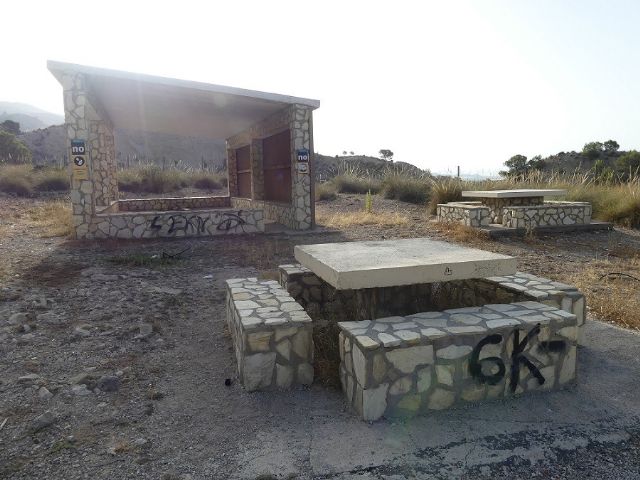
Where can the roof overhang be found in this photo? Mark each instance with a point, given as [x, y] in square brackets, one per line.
[166, 105]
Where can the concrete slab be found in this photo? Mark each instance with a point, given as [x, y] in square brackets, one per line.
[355, 265]
[514, 193]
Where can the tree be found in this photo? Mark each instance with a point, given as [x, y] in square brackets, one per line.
[11, 127]
[611, 146]
[517, 166]
[629, 164]
[592, 150]
[351, 153]
[13, 150]
[536, 163]
[344, 152]
[386, 154]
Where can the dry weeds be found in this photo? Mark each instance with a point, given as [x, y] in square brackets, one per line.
[53, 219]
[612, 288]
[461, 233]
[349, 219]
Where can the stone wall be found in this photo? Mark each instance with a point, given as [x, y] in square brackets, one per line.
[271, 333]
[405, 366]
[273, 211]
[547, 214]
[471, 214]
[323, 302]
[193, 223]
[497, 205]
[165, 204]
[298, 120]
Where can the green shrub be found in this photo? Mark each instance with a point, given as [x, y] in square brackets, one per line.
[326, 191]
[406, 189]
[348, 183]
[51, 180]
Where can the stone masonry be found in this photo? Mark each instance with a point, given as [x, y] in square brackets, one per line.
[323, 302]
[97, 212]
[192, 223]
[299, 214]
[405, 366]
[272, 335]
[471, 214]
[543, 214]
[547, 214]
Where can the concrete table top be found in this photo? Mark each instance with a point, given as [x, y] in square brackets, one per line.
[387, 263]
[523, 193]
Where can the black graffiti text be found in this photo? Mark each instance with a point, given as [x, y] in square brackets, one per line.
[518, 358]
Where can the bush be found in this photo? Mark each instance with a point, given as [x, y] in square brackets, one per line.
[443, 191]
[207, 181]
[51, 180]
[129, 180]
[406, 189]
[348, 183]
[326, 191]
[16, 180]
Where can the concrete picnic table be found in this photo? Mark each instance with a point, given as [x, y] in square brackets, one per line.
[375, 264]
[496, 200]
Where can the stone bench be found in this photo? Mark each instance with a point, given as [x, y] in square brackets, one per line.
[405, 366]
[471, 214]
[547, 215]
[321, 301]
[272, 335]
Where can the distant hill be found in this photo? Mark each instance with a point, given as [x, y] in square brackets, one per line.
[48, 146]
[28, 116]
[329, 167]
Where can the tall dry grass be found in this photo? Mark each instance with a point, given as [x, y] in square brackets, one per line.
[51, 218]
[349, 219]
[614, 199]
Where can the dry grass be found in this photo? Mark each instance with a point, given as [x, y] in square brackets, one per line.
[53, 219]
[349, 219]
[461, 233]
[612, 298]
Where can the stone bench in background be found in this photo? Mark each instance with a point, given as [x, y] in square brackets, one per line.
[549, 214]
[272, 335]
[404, 366]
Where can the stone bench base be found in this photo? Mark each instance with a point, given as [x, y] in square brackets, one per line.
[549, 214]
[323, 302]
[405, 366]
[516, 215]
[272, 335]
[471, 214]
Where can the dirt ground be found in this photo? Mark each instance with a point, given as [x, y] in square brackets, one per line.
[114, 363]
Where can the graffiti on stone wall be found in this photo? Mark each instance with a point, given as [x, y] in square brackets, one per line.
[196, 223]
[518, 358]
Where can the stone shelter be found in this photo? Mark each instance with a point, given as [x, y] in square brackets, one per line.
[269, 143]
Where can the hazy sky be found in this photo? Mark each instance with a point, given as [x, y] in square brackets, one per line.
[443, 83]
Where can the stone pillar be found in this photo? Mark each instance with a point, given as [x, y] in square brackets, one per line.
[86, 120]
[82, 193]
[300, 127]
[103, 159]
[257, 173]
